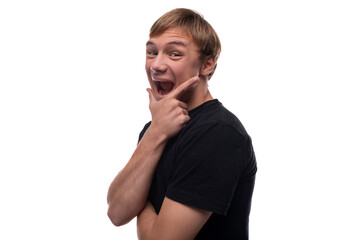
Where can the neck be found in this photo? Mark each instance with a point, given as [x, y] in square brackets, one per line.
[200, 95]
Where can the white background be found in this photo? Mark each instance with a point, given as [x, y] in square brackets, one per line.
[73, 100]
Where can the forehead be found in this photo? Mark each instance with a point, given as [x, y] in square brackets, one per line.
[172, 35]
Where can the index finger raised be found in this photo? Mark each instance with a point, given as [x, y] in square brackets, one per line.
[183, 87]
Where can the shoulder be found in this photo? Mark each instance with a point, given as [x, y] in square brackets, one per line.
[232, 122]
[213, 118]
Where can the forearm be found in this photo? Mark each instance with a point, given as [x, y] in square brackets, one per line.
[128, 192]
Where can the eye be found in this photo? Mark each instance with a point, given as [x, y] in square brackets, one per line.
[175, 54]
[152, 53]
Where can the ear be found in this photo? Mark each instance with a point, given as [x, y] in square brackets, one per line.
[208, 65]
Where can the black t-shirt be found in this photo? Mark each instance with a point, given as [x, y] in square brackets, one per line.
[209, 165]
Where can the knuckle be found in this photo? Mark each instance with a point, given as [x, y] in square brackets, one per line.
[186, 118]
[182, 104]
[179, 111]
[174, 103]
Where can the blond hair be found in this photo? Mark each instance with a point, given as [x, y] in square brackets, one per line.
[196, 26]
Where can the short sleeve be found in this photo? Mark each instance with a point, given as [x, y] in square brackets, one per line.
[208, 166]
[143, 131]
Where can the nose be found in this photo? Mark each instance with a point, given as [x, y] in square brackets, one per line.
[158, 65]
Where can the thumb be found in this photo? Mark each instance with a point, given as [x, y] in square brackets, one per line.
[151, 95]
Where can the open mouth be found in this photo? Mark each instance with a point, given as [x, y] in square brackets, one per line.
[164, 88]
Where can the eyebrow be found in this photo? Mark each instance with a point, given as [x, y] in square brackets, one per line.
[150, 43]
[178, 43]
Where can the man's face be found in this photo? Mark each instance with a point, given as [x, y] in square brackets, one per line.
[171, 59]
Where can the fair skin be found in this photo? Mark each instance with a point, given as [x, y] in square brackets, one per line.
[173, 58]
[178, 80]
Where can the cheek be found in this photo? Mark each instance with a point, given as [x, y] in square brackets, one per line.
[185, 71]
[147, 67]
[147, 70]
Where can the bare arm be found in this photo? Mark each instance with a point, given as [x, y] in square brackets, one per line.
[175, 221]
[128, 192]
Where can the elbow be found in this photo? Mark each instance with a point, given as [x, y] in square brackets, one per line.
[117, 216]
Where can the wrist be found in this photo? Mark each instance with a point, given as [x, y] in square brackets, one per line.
[156, 136]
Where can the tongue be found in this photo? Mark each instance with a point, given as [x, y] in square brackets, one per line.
[167, 86]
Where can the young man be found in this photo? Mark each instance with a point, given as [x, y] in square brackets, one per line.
[192, 174]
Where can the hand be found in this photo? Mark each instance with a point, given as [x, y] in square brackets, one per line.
[169, 114]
